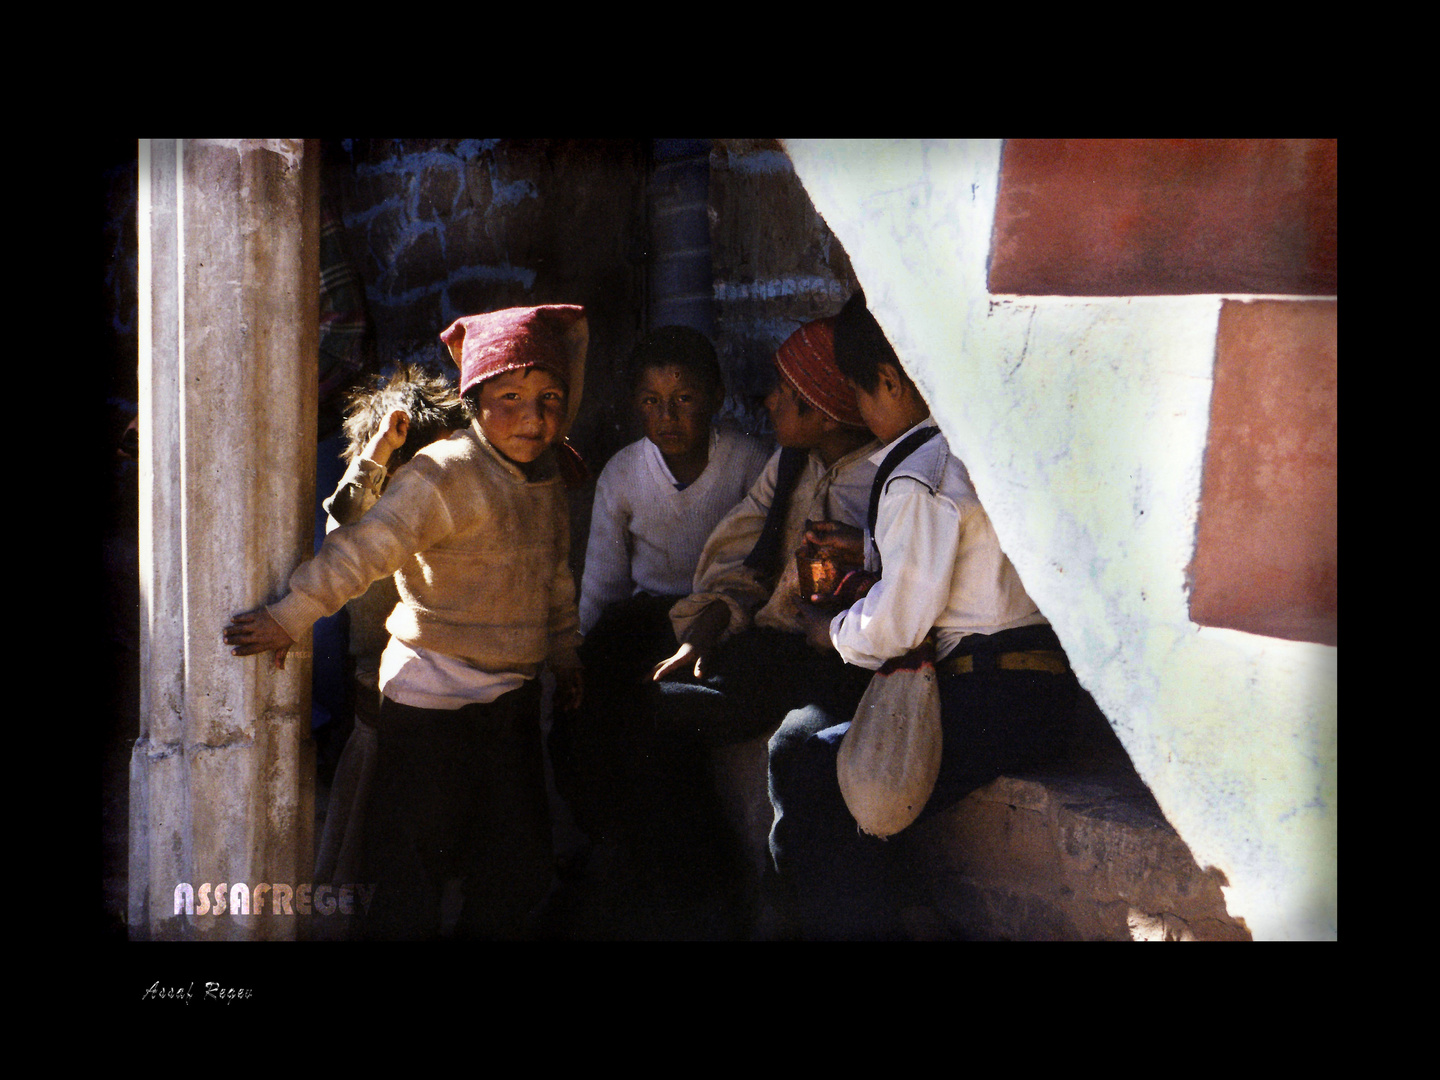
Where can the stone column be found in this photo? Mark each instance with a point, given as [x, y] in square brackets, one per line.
[222, 776]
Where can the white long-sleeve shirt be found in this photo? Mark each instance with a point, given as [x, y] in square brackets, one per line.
[940, 560]
[646, 534]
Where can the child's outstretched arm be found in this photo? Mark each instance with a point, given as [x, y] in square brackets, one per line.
[359, 488]
[388, 438]
[257, 632]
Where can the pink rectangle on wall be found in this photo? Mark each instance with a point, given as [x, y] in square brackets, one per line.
[1136, 217]
[1266, 544]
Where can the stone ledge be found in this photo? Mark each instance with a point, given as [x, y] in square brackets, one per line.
[1061, 858]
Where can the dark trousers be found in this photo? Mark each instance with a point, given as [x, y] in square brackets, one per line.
[457, 813]
[753, 681]
[635, 761]
[639, 742]
[842, 884]
[598, 750]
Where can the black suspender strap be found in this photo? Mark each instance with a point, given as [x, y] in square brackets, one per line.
[902, 450]
[765, 555]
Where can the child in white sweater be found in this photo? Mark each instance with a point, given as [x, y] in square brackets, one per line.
[658, 499]
[656, 502]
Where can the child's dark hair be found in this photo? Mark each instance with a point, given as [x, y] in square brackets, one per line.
[684, 347]
[430, 399]
[861, 346]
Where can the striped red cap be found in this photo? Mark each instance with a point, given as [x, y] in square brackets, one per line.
[807, 359]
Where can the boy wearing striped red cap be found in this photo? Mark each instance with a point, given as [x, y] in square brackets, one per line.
[475, 530]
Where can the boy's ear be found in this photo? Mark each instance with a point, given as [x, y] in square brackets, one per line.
[890, 380]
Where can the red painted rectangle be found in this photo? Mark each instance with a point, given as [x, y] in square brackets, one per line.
[1266, 545]
[1135, 217]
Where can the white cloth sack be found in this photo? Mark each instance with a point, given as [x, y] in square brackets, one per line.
[890, 758]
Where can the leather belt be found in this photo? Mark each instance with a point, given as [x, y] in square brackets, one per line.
[1031, 660]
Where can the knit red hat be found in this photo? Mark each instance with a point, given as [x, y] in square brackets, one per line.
[552, 337]
[807, 359]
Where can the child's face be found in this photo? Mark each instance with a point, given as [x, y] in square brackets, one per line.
[888, 412]
[872, 410]
[676, 410]
[522, 413]
[793, 428]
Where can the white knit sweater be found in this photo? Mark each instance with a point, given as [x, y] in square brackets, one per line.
[647, 536]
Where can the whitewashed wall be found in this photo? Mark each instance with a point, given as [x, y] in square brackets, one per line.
[1083, 422]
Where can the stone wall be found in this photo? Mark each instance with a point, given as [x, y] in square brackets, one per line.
[776, 264]
[1073, 857]
[440, 228]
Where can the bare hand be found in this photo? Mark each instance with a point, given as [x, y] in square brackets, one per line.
[851, 589]
[853, 586]
[817, 627]
[258, 632]
[700, 641]
[569, 688]
[845, 542]
[682, 658]
[389, 438]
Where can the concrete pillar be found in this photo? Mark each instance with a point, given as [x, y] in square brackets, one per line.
[222, 776]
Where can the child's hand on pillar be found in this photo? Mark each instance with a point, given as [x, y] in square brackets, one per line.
[258, 632]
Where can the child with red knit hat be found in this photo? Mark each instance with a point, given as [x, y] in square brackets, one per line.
[475, 530]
